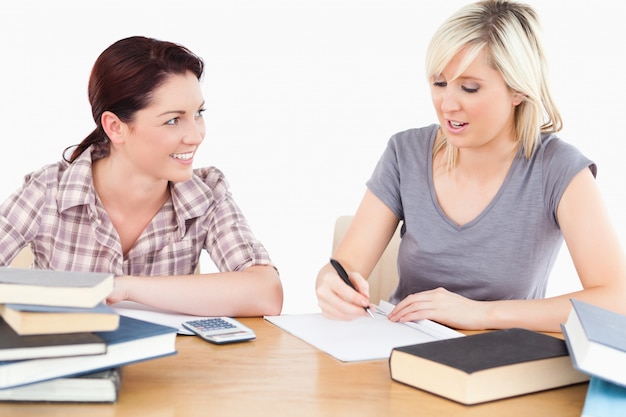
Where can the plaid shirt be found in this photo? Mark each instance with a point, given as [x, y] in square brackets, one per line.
[58, 212]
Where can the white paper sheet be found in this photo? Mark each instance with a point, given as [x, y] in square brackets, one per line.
[153, 315]
[362, 339]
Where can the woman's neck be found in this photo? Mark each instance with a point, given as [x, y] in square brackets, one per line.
[121, 189]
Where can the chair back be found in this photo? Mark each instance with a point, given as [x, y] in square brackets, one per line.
[24, 259]
[384, 277]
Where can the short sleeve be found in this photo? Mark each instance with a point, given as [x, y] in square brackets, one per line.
[230, 241]
[385, 180]
[403, 171]
[562, 162]
[20, 214]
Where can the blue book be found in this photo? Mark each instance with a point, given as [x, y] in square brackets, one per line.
[604, 399]
[596, 340]
[133, 341]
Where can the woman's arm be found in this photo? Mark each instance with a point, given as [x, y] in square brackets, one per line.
[256, 291]
[597, 255]
[359, 251]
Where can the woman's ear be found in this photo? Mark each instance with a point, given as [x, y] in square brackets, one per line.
[518, 98]
[113, 127]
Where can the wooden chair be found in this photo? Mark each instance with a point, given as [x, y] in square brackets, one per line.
[384, 278]
[24, 259]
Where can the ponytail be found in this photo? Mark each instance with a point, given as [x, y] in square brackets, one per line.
[97, 136]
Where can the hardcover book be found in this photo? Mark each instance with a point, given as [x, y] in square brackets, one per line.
[486, 366]
[96, 387]
[604, 399]
[54, 288]
[596, 339]
[133, 341]
[27, 319]
[14, 347]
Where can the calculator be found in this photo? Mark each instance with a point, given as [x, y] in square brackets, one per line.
[220, 330]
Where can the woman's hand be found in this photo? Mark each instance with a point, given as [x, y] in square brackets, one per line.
[444, 307]
[119, 293]
[337, 300]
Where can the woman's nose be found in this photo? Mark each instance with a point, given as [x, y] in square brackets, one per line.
[449, 102]
[196, 132]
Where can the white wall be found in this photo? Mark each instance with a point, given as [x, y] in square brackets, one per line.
[302, 97]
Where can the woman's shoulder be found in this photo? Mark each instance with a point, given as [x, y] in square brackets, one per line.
[48, 175]
[210, 175]
[552, 146]
[206, 186]
[411, 143]
[558, 154]
[209, 181]
[417, 134]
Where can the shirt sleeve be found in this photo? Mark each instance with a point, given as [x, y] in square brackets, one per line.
[385, 180]
[562, 162]
[19, 217]
[230, 241]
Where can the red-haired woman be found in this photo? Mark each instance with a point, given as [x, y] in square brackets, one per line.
[128, 201]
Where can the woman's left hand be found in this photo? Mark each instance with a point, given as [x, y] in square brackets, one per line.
[442, 306]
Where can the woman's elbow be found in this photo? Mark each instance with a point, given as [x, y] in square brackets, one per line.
[274, 302]
[270, 299]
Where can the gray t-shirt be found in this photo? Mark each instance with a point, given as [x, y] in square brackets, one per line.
[507, 251]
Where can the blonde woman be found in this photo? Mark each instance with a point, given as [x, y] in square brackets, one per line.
[486, 196]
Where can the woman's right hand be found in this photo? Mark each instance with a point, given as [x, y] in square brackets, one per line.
[336, 299]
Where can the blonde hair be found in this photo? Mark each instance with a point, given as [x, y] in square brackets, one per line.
[509, 32]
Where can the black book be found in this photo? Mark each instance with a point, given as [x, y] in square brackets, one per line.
[133, 341]
[15, 347]
[486, 366]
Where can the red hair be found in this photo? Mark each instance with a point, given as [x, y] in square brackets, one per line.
[125, 75]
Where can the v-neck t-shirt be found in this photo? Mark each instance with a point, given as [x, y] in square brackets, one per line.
[507, 251]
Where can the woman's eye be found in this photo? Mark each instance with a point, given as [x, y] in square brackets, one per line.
[200, 113]
[469, 89]
[440, 83]
[172, 122]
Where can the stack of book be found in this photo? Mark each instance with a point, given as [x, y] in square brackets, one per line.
[59, 341]
[596, 340]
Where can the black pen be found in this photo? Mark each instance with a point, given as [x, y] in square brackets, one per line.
[344, 276]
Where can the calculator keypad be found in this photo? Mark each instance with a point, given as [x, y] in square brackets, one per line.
[220, 330]
[212, 324]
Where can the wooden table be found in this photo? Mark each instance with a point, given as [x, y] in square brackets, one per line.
[278, 375]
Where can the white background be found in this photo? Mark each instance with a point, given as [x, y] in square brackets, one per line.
[302, 97]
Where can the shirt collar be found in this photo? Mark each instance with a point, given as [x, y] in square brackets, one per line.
[190, 199]
[76, 182]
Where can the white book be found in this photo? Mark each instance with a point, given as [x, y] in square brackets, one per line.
[103, 386]
[596, 339]
[54, 288]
